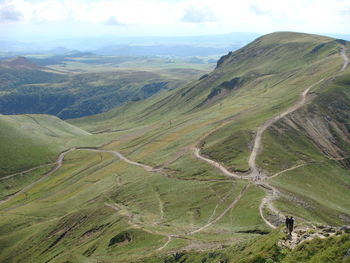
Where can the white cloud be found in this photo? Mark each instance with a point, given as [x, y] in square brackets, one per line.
[50, 11]
[14, 11]
[200, 14]
[218, 15]
[9, 13]
[113, 21]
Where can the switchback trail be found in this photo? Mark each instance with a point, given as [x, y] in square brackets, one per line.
[257, 141]
[255, 176]
[131, 222]
[222, 214]
[59, 163]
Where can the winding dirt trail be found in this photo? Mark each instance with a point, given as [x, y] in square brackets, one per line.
[166, 243]
[58, 163]
[122, 157]
[222, 214]
[25, 171]
[226, 172]
[287, 170]
[271, 195]
[345, 58]
[257, 141]
[256, 176]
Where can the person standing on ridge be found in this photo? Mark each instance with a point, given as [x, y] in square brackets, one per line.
[287, 223]
[291, 225]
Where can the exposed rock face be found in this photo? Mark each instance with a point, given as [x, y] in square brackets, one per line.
[223, 59]
[303, 233]
[324, 123]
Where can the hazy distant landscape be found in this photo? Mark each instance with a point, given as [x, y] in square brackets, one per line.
[71, 83]
[74, 87]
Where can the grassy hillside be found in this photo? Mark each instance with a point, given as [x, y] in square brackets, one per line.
[108, 210]
[186, 117]
[97, 207]
[30, 140]
[315, 143]
[265, 87]
[84, 85]
[264, 249]
[20, 71]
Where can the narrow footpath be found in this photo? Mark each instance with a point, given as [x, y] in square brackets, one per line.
[256, 176]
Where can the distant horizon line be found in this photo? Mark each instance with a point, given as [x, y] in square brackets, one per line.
[2, 38]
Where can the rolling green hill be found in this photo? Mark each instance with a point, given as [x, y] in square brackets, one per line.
[19, 71]
[158, 190]
[30, 140]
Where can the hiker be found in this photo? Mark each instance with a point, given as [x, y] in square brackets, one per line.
[291, 225]
[287, 223]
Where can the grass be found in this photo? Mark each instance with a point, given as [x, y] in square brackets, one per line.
[307, 137]
[308, 183]
[109, 63]
[329, 250]
[70, 203]
[293, 148]
[13, 184]
[188, 167]
[270, 99]
[264, 249]
[69, 209]
[30, 140]
[231, 148]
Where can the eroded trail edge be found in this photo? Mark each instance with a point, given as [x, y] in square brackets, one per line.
[256, 176]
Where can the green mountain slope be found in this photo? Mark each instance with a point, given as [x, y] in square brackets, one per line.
[253, 69]
[314, 143]
[250, 85]
[19, 71]
[266, 77]
[150, 194]
[30, 140]
[265, 249]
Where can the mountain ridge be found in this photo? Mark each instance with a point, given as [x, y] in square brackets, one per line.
[213, 80]
[19, 62]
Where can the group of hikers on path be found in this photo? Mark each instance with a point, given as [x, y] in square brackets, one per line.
[289, 224]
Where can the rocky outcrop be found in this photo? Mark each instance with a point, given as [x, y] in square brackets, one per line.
[304, 233]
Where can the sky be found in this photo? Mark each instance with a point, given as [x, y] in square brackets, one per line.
[58, 19]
